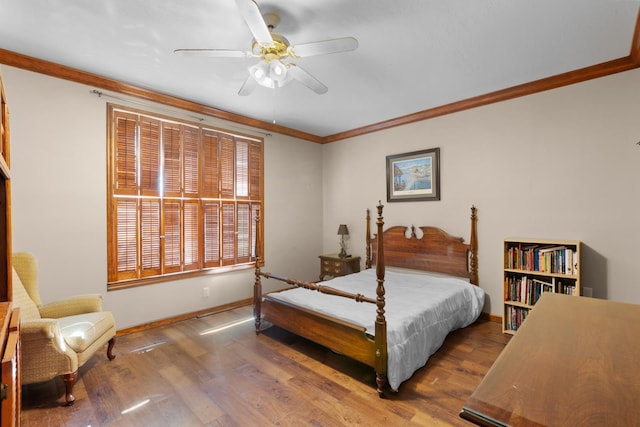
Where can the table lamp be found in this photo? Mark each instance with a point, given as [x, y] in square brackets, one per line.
[342, 231]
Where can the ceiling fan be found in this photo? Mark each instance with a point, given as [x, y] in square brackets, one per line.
[275, 52]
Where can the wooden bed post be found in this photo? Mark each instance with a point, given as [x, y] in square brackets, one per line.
[381, 322]
[473, 257]
[257, 285]
[367, 263]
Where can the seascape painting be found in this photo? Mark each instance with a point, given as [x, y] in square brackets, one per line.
[414, 176]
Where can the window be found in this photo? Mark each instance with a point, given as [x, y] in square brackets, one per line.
[182, 198]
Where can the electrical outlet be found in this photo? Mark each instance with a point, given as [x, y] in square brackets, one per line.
[205, 292]
[587, 292]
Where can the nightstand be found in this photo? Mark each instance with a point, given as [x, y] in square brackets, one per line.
[334, 266]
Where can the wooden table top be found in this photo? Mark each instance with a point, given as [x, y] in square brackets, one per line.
[575, 361]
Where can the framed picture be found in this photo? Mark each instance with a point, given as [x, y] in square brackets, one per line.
[414, 176]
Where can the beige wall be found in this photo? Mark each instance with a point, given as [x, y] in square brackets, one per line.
[560, 164]
[58, 159]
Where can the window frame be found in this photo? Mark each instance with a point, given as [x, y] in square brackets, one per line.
[140, 215]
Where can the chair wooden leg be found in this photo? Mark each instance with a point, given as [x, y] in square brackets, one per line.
[69, 382]
[110, 354]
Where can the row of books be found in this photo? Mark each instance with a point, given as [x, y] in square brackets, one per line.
[545, 259]
[525, 289]
[514, 317]
[563, 288]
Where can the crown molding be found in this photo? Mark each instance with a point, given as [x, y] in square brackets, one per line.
[593, 72]
[51, 69]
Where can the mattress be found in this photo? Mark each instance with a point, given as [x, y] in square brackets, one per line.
[421, 310]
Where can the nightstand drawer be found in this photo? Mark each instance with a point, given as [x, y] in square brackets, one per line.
[334, 266]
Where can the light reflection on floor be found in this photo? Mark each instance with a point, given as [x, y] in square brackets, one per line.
[227, 326]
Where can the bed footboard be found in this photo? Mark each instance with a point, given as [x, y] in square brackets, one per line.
[340, 336]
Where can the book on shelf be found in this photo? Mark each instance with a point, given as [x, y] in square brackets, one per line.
[514, 317]
[567, 289]
[526, 290]
[542, 287]
[557, 259]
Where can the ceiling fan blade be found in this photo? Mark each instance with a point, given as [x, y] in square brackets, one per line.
[248, 86]
[214, 53]
[252, 16]
[306, 79]
[344, 44]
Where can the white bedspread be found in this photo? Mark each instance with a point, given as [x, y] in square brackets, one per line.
[421, 309]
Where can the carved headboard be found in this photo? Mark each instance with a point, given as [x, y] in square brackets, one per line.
[437, 251]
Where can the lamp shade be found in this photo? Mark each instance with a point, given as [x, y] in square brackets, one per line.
[270, 74]
[277, 72]
[343, 230]
[260, 73]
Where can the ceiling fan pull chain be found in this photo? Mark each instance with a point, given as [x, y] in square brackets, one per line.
[274, 104]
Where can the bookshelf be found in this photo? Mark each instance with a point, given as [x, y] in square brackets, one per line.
[534, 266]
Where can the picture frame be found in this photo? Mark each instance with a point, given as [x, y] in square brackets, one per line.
[414, 176]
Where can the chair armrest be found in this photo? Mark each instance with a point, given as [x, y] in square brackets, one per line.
[71, 306]
[39, 329]
[44, 352]
[44, 331]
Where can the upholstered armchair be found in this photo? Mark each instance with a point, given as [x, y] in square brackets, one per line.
[57, 338]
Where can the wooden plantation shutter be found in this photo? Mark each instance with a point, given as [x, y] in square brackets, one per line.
[149, 156]
[243, 221]
[125, 264]
[150, 227]
[242, 169]
[227, 170]
[191, 204]
[149, 186]
[171, 232]
[183, 197]
[123, 254]
[210, 164]
[126, 157]
[191, 227]
[228, 233]
[211, 210]
[171, 144]
[191, 148]
[255, 171]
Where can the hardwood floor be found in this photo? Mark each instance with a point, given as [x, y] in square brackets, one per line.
[215, 371]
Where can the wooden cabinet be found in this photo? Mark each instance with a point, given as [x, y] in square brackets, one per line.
[535, 266]
[5, 199]
[10, 384]
[10, 381]
[334, 266]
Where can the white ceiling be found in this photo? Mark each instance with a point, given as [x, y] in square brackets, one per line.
[413, 55]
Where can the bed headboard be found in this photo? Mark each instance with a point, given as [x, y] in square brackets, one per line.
[437, 251]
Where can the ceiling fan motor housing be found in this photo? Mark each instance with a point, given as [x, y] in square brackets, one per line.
[279, 50]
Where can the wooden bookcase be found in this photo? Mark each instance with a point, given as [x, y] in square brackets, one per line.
[533, 266]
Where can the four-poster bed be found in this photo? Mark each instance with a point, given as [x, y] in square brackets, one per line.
[366, 319]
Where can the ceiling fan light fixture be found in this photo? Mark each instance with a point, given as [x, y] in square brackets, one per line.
[260, 72]
[270, 74]
[277, 71]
